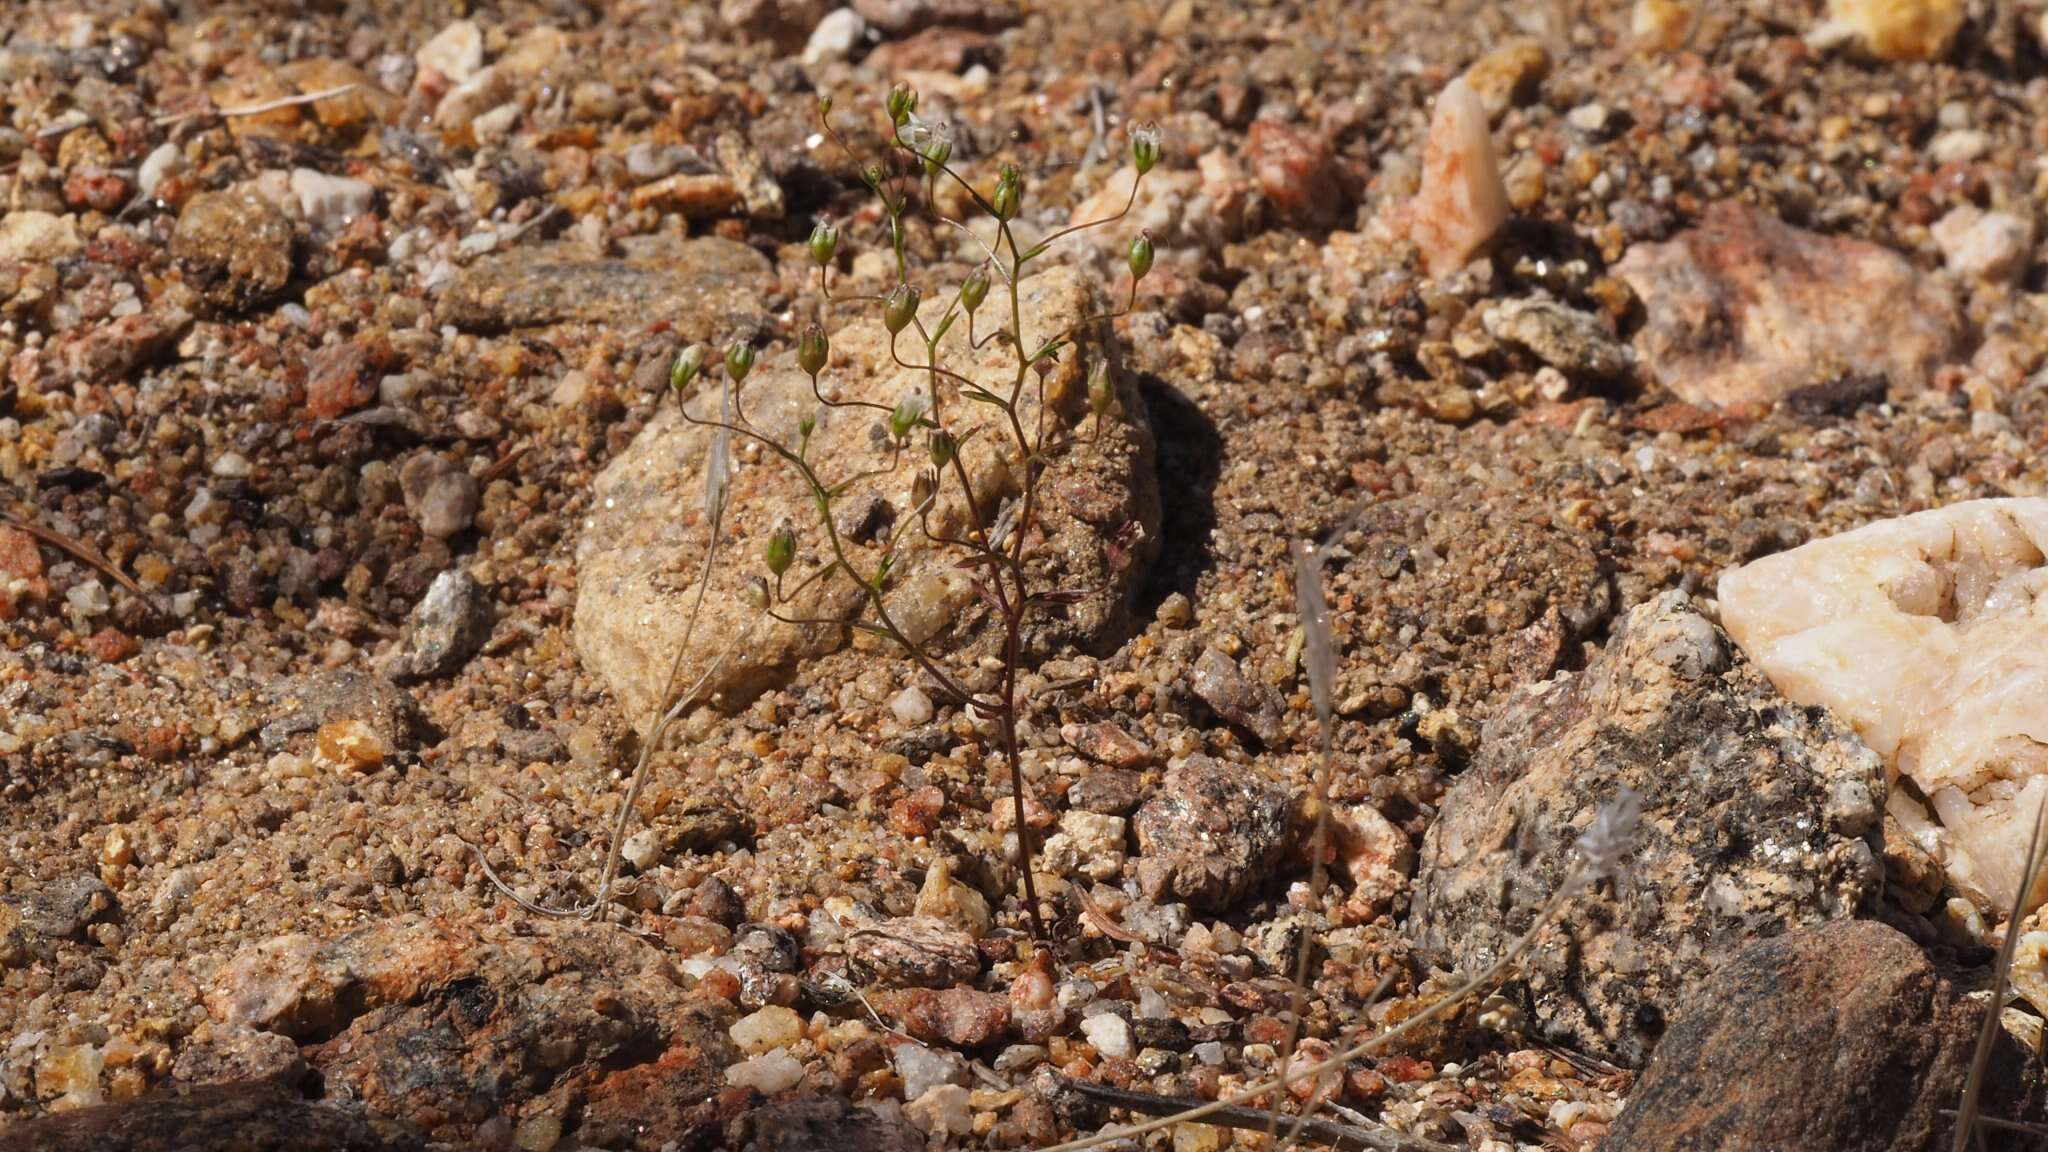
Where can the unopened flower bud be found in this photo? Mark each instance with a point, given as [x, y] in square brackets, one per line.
[1145, 146]
[1141, 256]
[739, 360]
[781, 551]
[935, 157]
[824, 242]
[900, 308]
[942, 446]
[812, 350]
[1009, 193]
[807, 424]
[684, 370]
[902, 102]
[905, 416]
[975, 289]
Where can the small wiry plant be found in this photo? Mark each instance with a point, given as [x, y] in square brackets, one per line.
[927, 430]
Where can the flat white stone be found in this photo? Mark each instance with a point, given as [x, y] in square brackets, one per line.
[1928, 635]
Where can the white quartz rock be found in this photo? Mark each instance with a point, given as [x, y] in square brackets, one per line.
[1928, 635]
[1463, 203]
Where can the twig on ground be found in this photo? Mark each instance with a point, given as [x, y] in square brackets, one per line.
[90, 556]
[256, 109]
[1350, 1137]
[1987, 1033]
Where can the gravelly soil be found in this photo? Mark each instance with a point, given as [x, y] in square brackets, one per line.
[243, 409]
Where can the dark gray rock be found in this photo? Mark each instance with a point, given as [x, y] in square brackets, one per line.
[1225, 688]
[913, 952]
[1837, 1036]
[59, 909]
[347, 694]
[252, 1116]
[1758, 817]
[828, 1124]
[1211, 833]
[446, 628]
[710, 286]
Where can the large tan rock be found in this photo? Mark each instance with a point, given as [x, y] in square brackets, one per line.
[1744, 310]
[643, 547]
[1924, 634]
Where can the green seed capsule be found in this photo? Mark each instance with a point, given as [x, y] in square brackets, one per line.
[684, 370]
[975, 289]
[824, 243]
[1145, 147]
[780, 552]
[1141, 256]
[1101, 388]
[739, 360]
[812, 350]
[900, 308]
[942, 447]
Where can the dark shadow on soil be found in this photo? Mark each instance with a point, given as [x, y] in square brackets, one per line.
[1190, 459]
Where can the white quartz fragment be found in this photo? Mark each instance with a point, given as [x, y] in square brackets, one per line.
[1927, 634]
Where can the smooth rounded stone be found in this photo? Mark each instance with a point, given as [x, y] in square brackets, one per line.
[1463, 204]
[456, 52]
[1894, 29]
[235, 247]
[1921, 632]
[1743, 830]
[642, 550]
[912, 707]
[1211, 834]
[643, 849]
[1980, 245]
[1745, 310]
[835, 37]
[441, 495]
[772, 1027]
[1837, 1035]
[707, 287]
[768, 1073]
